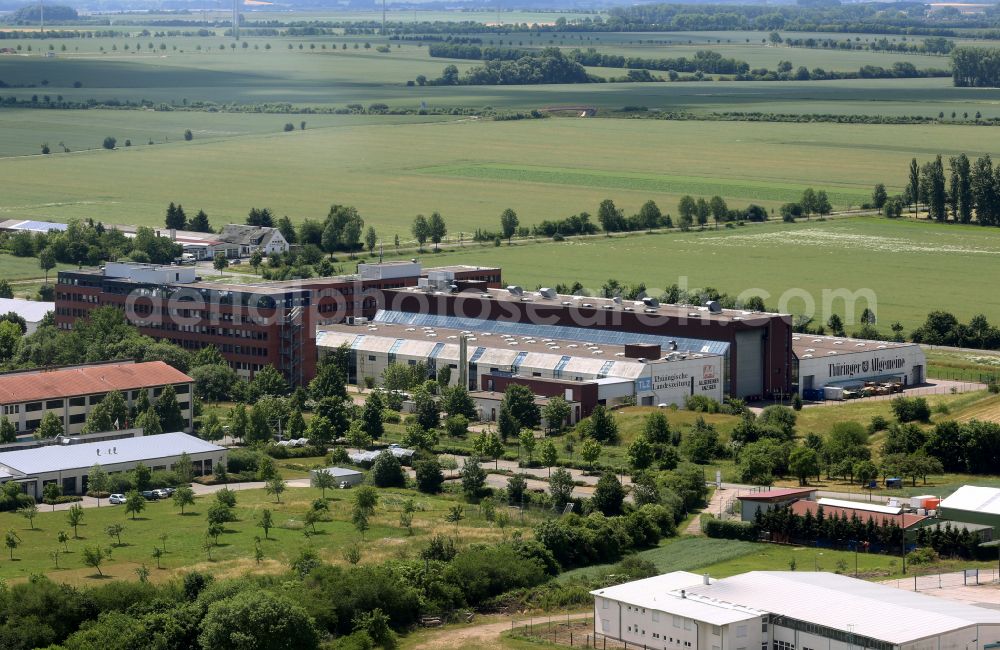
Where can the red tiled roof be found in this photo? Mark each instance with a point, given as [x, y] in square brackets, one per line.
[906, 520]
[86, 380]
[777, 494]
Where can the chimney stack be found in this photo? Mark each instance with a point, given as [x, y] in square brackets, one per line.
[706, 579]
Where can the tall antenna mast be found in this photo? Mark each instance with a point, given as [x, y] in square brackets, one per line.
[41, 15]
[236, 19]
[383, 17]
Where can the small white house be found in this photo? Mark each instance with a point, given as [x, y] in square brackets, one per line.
[340, 475]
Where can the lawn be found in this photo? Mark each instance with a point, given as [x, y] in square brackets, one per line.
[235, 552]
[26, 268]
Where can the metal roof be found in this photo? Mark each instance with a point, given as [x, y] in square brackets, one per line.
[31, 311]
[541, 331]
[840, 602]
[663, 593]
[54, 458]
[973, 498]
[337, 472]
[860, 505]
[777, 494]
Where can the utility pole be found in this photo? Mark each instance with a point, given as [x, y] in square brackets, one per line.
[383, 17]
[41, 16]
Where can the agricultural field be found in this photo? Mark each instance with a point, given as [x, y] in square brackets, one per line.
[788, 264]
[391, 168]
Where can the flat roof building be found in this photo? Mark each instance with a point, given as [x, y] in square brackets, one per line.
[71, 392]
[786, 610]
[32, 311]
[756, 346]
[494, 357]
[837, 362]
[69, 465]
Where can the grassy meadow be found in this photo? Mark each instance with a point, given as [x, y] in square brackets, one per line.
[235, 551]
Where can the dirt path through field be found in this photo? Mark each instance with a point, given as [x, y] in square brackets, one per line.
[477, 635]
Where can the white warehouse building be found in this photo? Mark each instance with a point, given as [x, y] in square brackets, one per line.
[783, 610]
[617, 372]
[844, 363]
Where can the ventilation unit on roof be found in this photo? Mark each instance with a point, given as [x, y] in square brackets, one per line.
[566, 303]
[587, 304]
[546, 292]
[673, 346]
[653, 303]
[515, 290]
[714, 306]
[617, 300]
[607, 306]
[525, 299]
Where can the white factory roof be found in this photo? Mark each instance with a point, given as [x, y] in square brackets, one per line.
[974, 499]
[860, 505]
[663, 593]
[54, 458]
[31, 311]
[835, 601]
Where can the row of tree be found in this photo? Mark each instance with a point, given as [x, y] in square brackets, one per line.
[970, 190]
[90, 243]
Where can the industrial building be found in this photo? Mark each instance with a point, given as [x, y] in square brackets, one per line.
[492, 359]
[253, 325]
[71, 392]
[69, 464]
[974, 505]
[32, 311]
[755, 347]
[766, 500]
[827, 366]
[779, 610]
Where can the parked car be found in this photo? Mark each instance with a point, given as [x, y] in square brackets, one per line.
[150, 495]
[169, 491]
[117, 499]
[161, 493]
[344, 485]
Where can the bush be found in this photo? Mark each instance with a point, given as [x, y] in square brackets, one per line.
[701, 404]
[109, 142]
[728, 529]
[910, 409]
[878, 423]
[243, 460]
[391, 417]
[62, 498]
[924, 555]
[289, 126]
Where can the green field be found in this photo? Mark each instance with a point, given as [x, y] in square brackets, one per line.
[394, 167]
[902, 263]
[23, 268]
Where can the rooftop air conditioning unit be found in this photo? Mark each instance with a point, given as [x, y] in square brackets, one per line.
[714, 306]
[651, 302]
[546, 292]
[617, 300]
[515, 290]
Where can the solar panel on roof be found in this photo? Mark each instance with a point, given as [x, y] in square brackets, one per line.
[40, 226]
[564, 332]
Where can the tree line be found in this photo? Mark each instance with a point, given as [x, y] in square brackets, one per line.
[969, 190]
[976, 67]
[935, 45]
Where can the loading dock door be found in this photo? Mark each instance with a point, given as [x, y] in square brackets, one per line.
[750, 363]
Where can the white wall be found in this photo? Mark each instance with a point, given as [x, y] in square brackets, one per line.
[853, 364]
[672, 382]
[660, 629]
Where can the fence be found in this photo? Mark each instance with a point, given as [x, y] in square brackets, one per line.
[927, 582]
[571, 631]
